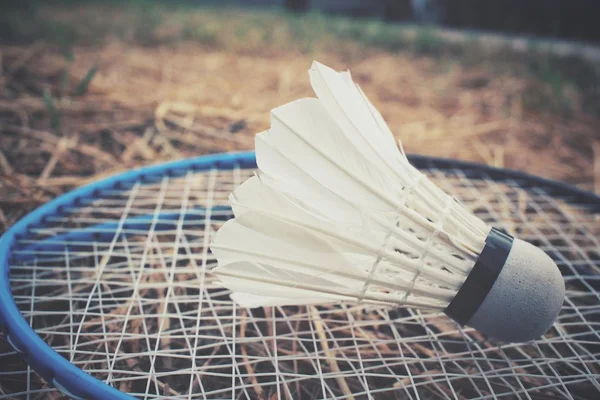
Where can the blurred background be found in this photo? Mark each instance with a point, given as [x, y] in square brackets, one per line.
[92, 88]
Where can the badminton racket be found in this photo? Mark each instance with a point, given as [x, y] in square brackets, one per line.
[107, 293]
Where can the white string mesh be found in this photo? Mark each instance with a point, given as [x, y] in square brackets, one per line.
[137, 307]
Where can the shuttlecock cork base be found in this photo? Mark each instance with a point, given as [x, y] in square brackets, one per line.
[514, 292]
[336, 213]
[525, 299]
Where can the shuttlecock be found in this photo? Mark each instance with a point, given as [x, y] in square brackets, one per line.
[337, 213]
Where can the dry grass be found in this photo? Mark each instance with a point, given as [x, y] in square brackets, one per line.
[144, 85]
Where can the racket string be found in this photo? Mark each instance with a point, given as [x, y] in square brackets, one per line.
[207, 348]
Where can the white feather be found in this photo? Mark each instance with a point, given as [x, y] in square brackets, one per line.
[344, 211]
[264, 209]
[337, 213]
[350, 109]
[266, 240]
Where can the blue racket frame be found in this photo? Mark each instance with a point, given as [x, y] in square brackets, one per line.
[50, 365]
[77, 384]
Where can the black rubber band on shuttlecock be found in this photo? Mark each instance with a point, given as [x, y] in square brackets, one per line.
[482, 277]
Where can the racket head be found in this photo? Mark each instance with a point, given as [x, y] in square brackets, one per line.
[49, 364]
[342, 350]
